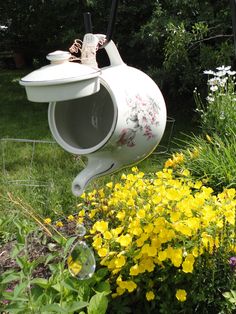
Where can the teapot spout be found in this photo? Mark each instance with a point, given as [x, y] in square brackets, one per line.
[96, 167]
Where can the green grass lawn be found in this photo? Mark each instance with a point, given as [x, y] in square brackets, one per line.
[49, 172]
[51, 169]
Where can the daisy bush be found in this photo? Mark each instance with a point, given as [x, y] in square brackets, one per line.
[165, 239]
[210, 154]
[218, 112]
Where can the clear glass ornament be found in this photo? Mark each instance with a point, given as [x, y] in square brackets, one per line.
[80, 230]
[81, 261]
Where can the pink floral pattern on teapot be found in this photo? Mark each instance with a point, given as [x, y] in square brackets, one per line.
[143, 114]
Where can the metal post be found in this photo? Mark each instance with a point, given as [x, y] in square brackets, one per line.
[88, 23]
[112, 20]
[233, 9]
[111, 24]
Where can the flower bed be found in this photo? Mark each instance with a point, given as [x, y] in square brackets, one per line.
[162, 236]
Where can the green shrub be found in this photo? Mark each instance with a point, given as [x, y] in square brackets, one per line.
[165, 240]
[209, 158]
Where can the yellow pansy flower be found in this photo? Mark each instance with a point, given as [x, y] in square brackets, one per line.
[121, 215]
[59, 224]
[181, 295]
[92, 213]
[134, 169]
[97, 243]
[120, 291]
[124, 240]
[176, 257]
[101, 226]
[141, 213]
[169, 163]
[134, 270]
[81, 213]
[107, 235]
[186, 173]
[150, 296]
[109, 185]
[102, 252]
[70, 218]
[130, 285]
[120, 261]
[47, 221]
[162, 256]
[187, 265]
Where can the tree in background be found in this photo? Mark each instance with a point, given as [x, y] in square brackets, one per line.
[36, 27]
[185, 38]
[174, 41]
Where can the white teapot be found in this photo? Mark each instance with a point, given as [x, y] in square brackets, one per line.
[115, 117]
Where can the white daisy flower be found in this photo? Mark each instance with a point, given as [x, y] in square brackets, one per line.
[210, 99]
[214, 88]
[231, 73]
[221, 73]
[223, 68]
[209, 72]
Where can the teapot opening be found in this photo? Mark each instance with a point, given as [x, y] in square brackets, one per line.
[85, 124]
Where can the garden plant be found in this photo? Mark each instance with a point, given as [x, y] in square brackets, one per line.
[163, 237]
[162, 234]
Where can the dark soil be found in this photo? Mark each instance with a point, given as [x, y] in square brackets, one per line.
[36, 247]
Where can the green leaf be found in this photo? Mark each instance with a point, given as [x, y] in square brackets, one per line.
[49, 258]
[15, 308]
[75, 306]
[69, 244]
[19, 288]
[59, 240]
[53, 307]
[101, 273]
[103, 286]
[233, 292]
[232, 300]
[13, 298]
[21, 262]
[68, 284]
[98, 304]
[17, 249]
[11, 277]
[227, 295]
[57, 287]
[83, 291]
[42, 282]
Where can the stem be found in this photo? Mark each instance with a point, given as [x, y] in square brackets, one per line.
[30, 211]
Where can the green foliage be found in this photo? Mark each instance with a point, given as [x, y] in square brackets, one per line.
[231, 298]
[206, 276]
[211, 159]
[186, 37]
[23, 292]
[210, 155]
[176, 38]
[37, 27]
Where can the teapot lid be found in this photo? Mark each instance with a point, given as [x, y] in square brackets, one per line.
[60, 71]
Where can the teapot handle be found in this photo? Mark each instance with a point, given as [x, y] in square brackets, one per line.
[112, 51]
